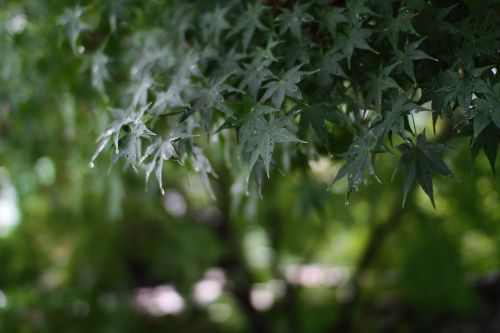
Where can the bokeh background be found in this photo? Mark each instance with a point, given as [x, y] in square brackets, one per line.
[94, 250]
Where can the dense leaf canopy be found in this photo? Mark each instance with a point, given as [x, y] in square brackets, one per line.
[258, 70]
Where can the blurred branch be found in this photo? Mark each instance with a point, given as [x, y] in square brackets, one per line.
[233, 261]
[378, 234]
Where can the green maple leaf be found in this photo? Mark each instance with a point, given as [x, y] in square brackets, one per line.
[360, 156]
[210, 97]
[258, 136]
[99, 71]
[265, 55]
[355, 38]
[380, 82]
[248, 22]
[487, 110]
[316, 115]
[72, 22]
[286, 85]
[486, 125]
[254, 74]
[357, 9]
[231, 63]
[396, 120]
[332, 18]
[293, 20]
[410, 54]
[330, 67]
[398, 24]
[460, 85]
[171, 98]
[202, 165]
[128, 125]
[487, 140]
[421, 161]
[160, 150]
[214, 24]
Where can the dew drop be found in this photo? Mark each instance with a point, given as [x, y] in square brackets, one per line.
[91, 165]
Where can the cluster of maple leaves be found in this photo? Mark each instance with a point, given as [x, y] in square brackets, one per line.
[290, 73]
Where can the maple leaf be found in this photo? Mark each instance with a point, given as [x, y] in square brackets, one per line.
[486, 125]
[214, 23]
[258, 136]
[171, 98]
[209, 97]
[140, 89]
[421, 161]
[394, 122]
[316, 115]
[294, 19]
[254, 74]
[248, 22]
[99, 71]
[202, 165]
[332, 18]
[162, 149]
[488, 141]
[378, 83]
[130, 123]
[395, 25]
[354, 39]
[330, 67]
[360, 157]
[286, 85]
[71, 19]
[460, 85]
[409, 55]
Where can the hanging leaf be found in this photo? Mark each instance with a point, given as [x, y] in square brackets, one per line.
[330, 67]
[258, 136]
[286, 85]
[249, 22]
[162, 149]
[422, 160]
[293, 19]
[316, 115]
[355, 38]
[410, 54]
[202, 165]
[359, 162]
[72, 22]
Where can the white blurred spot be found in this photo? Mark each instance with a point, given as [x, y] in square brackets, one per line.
[263, 295]
[45, 171]
[210, 288]
[262, 299]
[207, 291]
[494, 70]
[9, 211]
[316, 275]
[160, 301]
[320, 165]
[257, 250]
[3, 300]
[16, 24]
[174, 203]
